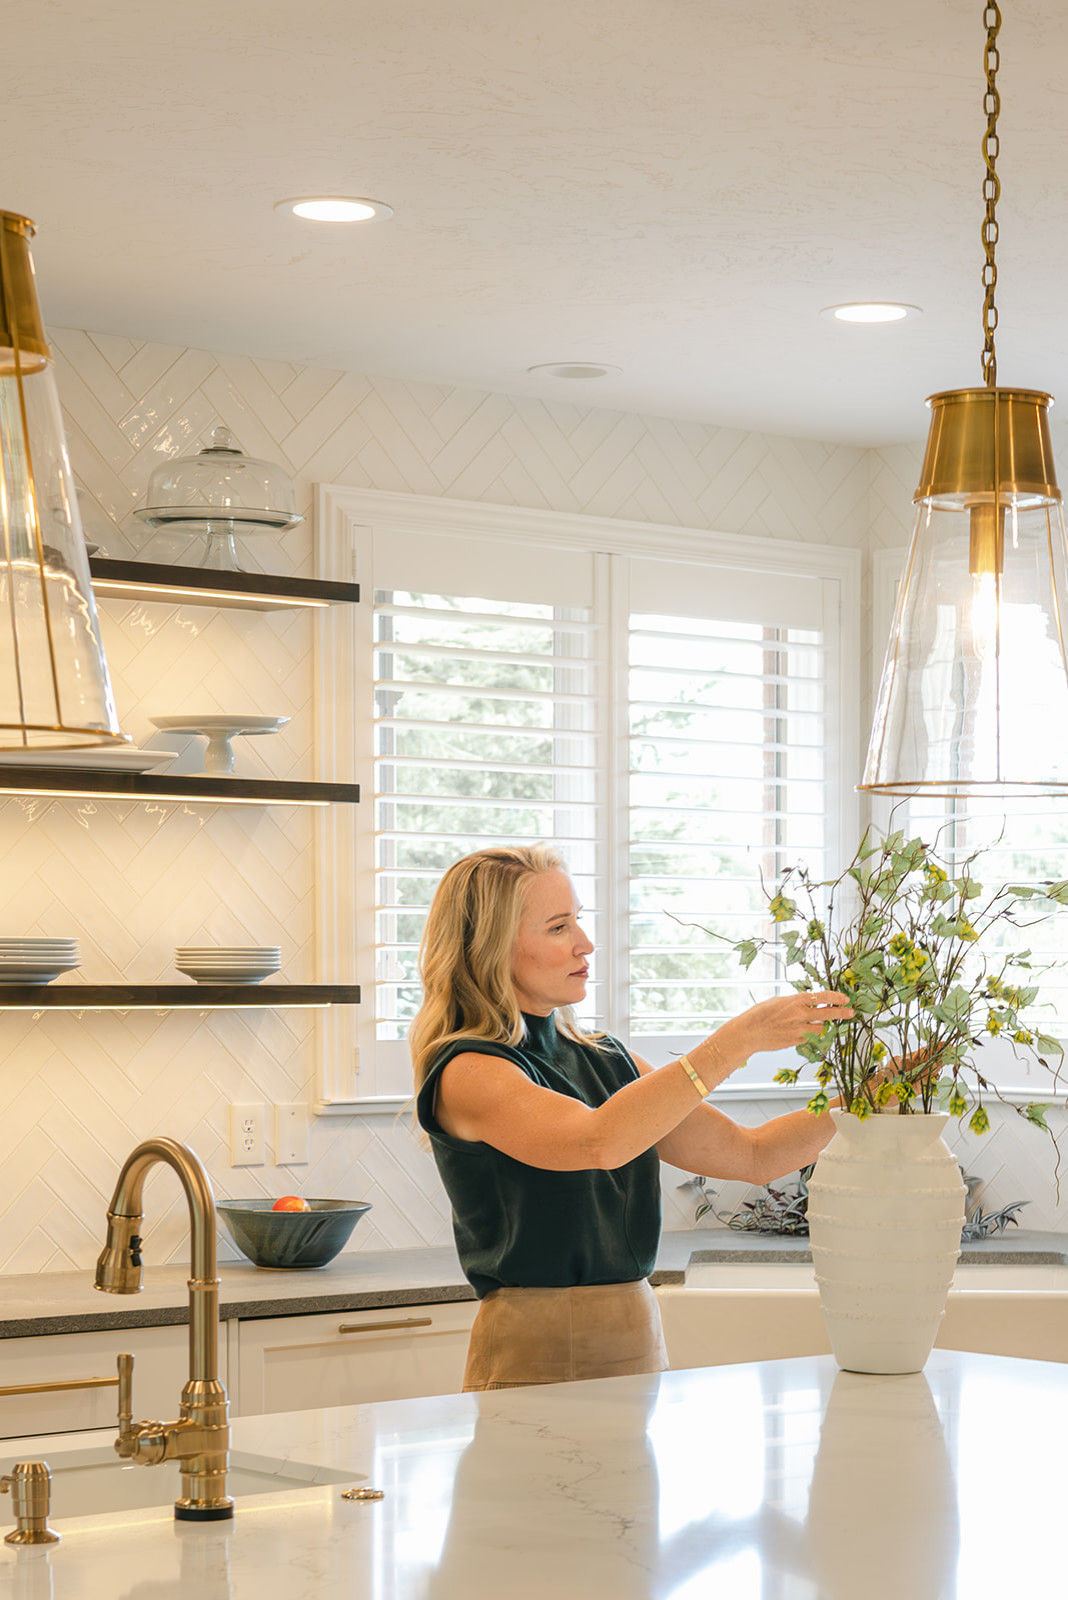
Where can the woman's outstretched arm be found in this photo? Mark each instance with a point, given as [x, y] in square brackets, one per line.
[490, 1100]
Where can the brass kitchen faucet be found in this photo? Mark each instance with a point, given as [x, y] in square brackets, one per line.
[200, 1439]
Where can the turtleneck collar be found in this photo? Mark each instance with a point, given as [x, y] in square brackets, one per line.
[541, 1031]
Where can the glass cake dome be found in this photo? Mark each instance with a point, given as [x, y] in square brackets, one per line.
[218, 492]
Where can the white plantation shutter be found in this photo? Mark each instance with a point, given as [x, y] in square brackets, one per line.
[731, 701]
[674, 726]
[485, 688]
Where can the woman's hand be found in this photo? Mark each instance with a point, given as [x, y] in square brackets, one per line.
[920, 1067]
[786, 1021]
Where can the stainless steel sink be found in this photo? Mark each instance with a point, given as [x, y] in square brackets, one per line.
[91, 1480]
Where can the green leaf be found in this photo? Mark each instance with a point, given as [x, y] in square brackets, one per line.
[955, 1008]
[1048, 1045]
[1037, 1115]
[748, 950]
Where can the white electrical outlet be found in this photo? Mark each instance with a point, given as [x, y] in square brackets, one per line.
[291, 1135]
[246, 1136]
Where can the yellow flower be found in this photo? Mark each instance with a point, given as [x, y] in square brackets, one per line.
[878, 1050]
[934, 874]
[1023, 1037]
[993, 1023]
[782, 909]
[901, 945]
[966, 931]
[815, 929]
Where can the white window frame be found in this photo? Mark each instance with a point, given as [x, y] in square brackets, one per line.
[344, 745]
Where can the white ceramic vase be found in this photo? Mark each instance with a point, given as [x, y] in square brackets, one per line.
[885, 1212]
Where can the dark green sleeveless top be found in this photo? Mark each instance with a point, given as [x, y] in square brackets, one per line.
[523, 1227]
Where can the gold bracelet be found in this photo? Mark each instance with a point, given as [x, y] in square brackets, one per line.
[686, 1065]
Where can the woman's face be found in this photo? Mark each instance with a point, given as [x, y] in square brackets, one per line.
[549, 966]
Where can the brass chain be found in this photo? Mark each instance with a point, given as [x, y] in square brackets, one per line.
[991, 192]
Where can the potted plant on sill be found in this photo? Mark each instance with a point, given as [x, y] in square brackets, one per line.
[901, 931]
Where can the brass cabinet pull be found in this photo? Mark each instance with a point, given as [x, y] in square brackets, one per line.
[376, 1327]
[62, 1384]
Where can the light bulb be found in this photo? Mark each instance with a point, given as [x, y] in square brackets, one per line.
[985, 615]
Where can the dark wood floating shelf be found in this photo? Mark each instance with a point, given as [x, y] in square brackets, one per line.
[189, 787]
[206, 586]
[173, 996]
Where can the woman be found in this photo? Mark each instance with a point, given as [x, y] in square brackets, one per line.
[548, 1140]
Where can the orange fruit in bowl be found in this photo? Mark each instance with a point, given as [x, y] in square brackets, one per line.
[291, 1202]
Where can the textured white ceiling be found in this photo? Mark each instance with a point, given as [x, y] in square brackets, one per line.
[673, 186]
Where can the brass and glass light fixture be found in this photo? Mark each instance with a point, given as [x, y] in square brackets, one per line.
[974, 693]
[54, 687]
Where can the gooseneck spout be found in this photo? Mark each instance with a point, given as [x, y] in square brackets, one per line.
[200, 1438]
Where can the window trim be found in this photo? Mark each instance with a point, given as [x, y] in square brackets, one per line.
[344, 519]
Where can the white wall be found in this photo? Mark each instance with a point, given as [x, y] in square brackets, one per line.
[131, 881]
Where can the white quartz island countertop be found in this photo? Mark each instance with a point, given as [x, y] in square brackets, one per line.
[782, 1480]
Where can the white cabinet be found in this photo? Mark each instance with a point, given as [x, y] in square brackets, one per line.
[348, 1357]
[267, 1364]
[161, 1368]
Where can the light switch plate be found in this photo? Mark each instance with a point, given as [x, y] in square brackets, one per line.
[291, 1134]
[246, 1135]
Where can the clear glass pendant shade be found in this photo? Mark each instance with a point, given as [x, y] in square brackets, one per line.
[54, 686]
[974, 692]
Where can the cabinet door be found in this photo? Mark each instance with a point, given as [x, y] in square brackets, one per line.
[161, 1367]
[348, 1357]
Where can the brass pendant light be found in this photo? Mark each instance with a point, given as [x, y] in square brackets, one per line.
[974, 693]
[54, 687]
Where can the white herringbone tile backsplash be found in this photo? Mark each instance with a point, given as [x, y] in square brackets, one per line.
[77, 1091]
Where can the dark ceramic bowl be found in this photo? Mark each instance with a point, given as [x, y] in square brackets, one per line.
[290, 1238]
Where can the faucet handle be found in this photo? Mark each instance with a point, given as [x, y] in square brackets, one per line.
[126, 1367]
[141, 1441]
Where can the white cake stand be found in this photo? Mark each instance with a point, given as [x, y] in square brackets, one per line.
[219, 728]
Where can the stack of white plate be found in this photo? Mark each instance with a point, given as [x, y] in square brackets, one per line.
[228, 963]
[36, 960]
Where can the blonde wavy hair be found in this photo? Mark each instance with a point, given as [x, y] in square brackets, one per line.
[466, 956]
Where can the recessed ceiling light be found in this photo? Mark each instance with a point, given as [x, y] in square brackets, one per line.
[871, 311]
[334, 208]
[574, 369]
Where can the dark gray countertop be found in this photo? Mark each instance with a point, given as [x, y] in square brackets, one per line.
[66, 1302]
[1015, 1245]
